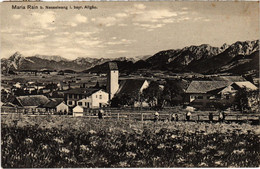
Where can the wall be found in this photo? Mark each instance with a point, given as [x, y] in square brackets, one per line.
[112, 83]
[96, 98]
[62, 108]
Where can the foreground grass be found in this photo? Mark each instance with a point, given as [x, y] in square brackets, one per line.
[78, 142]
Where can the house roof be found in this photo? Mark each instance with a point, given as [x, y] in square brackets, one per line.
[112, 66]
[246, 84]
[32, 100]
[229, 78]
[82, 91]
[53, 103]
[130, 86]
[206, 86]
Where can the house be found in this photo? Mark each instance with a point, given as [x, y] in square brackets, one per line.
[97, 99]
[90, 97]
[201, 93]
[230, 91]
[78, 111]
[56, 105]
[31, 102]
[17, 85]
[229, 78]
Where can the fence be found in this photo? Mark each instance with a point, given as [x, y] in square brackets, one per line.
[146, 115]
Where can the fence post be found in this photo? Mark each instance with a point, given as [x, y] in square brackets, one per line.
[237, 117]
[142, 117]
[117, 116]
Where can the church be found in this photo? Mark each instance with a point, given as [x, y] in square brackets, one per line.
[91, 98]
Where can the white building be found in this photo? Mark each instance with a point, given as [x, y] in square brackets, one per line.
[78, 111]
[95, 100]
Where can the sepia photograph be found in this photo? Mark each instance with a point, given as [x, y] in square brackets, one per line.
[159, 84]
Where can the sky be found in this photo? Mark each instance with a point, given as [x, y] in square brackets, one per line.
[123, 29]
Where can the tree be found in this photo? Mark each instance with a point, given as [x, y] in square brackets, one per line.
[241, 99]
[122, 100]
[153, 95]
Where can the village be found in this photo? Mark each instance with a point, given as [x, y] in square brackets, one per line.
[112, 90]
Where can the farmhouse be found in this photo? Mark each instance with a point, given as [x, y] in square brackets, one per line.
[31, 102]
[56, 105]
[229, 92]
[200, 93]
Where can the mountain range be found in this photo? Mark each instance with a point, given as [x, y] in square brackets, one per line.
[238, 58]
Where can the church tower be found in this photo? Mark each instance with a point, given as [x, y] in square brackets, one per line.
[112, 79]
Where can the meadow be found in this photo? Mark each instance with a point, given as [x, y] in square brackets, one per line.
[59, 141]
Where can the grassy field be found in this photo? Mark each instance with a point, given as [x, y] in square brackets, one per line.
[58, 141]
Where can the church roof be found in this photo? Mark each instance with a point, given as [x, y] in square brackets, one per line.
[130, 86]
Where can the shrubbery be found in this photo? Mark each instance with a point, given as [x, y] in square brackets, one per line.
[79, 142]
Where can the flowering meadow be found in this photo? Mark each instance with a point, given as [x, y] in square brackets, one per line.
[53, 141]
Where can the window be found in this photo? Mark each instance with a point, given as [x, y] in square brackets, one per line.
[70, 96]
[70, 102]
[200, 97]
[80, 96]
[96, 96]
[100, 96]
[80, 103]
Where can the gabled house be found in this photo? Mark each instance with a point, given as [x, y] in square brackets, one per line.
[31, 102]
[230, 91]
[201, 93]
[56, 105]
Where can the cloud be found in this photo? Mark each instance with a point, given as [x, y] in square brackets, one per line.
[35, 38]
[45, 20]
[87, 42]
[85, 34]
[149, 27]
[81, 19]
[116, 51]
[16, 16]
[120, 42]
[139, 6]
[62, 33]
[73, 24]
[155, 15]
[121, 15]
[122, 24]
[107, 21]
